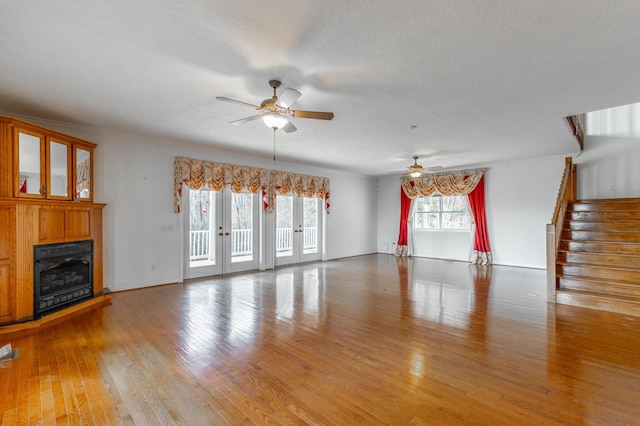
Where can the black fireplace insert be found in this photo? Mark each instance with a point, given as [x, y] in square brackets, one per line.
[63, 275]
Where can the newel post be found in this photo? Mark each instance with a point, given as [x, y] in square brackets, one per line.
[551, 263]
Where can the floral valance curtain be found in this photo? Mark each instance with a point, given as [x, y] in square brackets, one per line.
[199, 173]
[461, 183]
[300, 185]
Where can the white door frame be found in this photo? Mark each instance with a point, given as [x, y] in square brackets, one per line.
[297, 254]
[221, 237]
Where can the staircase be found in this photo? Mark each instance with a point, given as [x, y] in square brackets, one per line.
[598, 258]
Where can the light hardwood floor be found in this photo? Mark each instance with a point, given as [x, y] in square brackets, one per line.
[366, 340]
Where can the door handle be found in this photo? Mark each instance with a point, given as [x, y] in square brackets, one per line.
[226, 233]
[219, 234]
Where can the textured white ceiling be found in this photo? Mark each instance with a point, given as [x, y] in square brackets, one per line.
[483, 81]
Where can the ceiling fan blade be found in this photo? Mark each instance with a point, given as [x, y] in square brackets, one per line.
[425, 170]
[289, 127]
[245, 120]
[221, 98]
[312, 114]
[288, 97]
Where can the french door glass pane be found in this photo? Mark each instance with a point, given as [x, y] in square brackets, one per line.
[201, 223]
[310, 218]
[241, 227]
[284, 225]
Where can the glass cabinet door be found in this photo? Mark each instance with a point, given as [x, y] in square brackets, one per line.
[59, 158]
[83, 165]
[30, 164]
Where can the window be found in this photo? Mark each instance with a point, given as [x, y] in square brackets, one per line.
[443, 213]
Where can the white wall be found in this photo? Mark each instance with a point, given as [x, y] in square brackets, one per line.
[142, 234]
[520, 199]
[519, 196]
[609, 168]
[353, 216]
[388, 213]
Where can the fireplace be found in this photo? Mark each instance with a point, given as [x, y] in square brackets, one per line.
[63, 275]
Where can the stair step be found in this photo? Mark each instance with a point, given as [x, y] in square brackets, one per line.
[604, 215]
[605, 205]
[577, 235]
[599, 272]
[609, 225]
[610, 200]
[617, 289]
[603, 302]
[601, 259]
[612, 247]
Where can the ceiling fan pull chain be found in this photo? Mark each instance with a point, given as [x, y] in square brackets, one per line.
[274, 146]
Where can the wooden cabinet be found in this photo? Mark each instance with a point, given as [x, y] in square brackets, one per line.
[7, 261]
[46, 164]
[46, 196]
[63, 223]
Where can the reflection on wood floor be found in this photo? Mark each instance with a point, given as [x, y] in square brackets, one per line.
[366, 340]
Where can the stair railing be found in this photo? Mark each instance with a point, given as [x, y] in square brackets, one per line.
[567, 193]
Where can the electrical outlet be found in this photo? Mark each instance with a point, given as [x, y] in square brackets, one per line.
[153, 267]
[166, 228]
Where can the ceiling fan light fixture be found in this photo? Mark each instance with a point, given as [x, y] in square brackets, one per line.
[274, 121]
[415, 170]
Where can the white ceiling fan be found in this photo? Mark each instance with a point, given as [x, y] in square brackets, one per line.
[276, 112]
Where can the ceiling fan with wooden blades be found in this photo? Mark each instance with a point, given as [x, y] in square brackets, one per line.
[416, 170]
[276, 112]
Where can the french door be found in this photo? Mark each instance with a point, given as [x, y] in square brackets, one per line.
[298, 229]
[222, 232]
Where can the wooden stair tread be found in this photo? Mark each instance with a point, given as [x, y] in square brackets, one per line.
[588, 282]
[617, 248]
[626, 305]
[602, 281]
[625, 298]
[601, 206]
[607, 200]
[603, 253]
[598, 265]
[612, 231]
[599, 235]
[602, 215]
[631, 243]
[601, 221]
